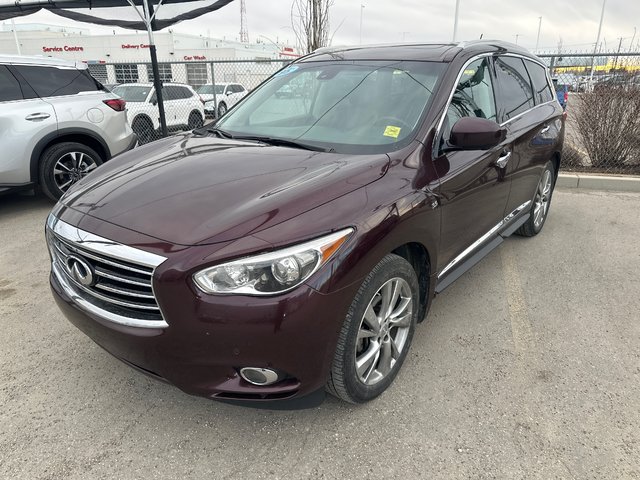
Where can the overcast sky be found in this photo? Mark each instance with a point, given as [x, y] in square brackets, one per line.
[388, 21]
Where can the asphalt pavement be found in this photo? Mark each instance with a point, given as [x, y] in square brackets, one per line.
[527, 367]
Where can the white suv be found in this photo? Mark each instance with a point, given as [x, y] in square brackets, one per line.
[183, 108]
[224, 95]
[57, 123]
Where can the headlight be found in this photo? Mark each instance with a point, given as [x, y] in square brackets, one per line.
[273, 272]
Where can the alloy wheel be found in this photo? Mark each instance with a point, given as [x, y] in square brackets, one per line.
[383, 331]
[543, 196]
[71, 167]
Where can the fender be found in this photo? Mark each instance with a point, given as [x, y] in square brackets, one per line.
[44, 142]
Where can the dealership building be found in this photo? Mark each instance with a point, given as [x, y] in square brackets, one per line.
[122, 58]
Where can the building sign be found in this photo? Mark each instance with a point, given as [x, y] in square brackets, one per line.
[65, 48]
[128, 45]
[194, 57]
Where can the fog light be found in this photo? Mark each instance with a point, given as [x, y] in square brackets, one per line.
[259, 376]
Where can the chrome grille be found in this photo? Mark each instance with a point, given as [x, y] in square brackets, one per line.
[107, 278]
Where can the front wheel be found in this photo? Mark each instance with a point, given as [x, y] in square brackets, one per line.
[222, 109]
[541, 203]
[195, 121]
[143, 128]
[377, 332]
[64, 164]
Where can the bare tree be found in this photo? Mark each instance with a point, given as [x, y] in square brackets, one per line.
[310, 22]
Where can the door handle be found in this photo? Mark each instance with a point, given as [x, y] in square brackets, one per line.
[34, 117]
[503, 159]
[545, 129]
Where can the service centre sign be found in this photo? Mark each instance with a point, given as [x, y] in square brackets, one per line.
[64, 48]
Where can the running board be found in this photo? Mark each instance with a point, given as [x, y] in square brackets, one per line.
[458, 270]
[467, 264]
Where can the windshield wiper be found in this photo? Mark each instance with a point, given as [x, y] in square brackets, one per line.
[219, 132]
[281, 142]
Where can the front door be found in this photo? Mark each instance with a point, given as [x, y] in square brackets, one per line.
[473, 189]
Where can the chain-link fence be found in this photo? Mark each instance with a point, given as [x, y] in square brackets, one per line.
[601, 95]
[193, 92]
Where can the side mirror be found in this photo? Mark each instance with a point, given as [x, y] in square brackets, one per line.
[475, 133]
[154, 102]
[228, 93]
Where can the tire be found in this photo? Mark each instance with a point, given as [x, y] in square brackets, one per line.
[364, 332]
[143, 128]
[195, 120]
[541, 203]
[64, 164]
[222, 109]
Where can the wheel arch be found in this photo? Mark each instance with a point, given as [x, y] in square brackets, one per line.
[418, 256]
[78, 135]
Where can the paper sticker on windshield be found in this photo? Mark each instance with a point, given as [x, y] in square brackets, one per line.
[391, 131]
[287, 71]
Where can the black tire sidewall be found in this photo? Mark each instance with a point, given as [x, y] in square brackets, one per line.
[390, 267]
[198, 122]
[220, 108]
[143, 128]
[49, 159]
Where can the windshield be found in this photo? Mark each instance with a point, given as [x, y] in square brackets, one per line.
[211, 89]
[347, 107]
[132, 93]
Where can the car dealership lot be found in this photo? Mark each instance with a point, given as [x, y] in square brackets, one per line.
[527, 367]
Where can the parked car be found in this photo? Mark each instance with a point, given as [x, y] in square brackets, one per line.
[222, 95]
[183, 108]
[280, 252]
[57, 124]
[562, 92]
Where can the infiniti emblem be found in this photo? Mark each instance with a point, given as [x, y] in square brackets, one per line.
[80, 270]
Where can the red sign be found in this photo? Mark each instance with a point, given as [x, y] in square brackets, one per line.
[195, 57]
[65, 48]
[128, 45]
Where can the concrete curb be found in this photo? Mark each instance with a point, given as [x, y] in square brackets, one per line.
[587, 181]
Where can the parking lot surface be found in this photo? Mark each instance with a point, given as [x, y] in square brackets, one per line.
[527, 367]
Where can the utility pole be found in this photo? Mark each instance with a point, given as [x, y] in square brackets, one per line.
[538, 37]
[455, 21]
[361, 10]
[244, 32]
[157, 82]
[595, 49]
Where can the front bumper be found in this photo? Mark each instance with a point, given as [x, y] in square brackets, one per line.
[209, 338]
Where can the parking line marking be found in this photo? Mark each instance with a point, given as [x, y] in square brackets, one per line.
[521, 331]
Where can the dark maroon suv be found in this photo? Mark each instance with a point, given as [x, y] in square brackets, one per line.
[293, 246]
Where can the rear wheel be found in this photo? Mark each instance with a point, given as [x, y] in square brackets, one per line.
[541, 203]
[64, 164]
[143, 128]
[377, 332]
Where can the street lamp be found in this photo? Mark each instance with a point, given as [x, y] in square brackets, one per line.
[455, 20]
[361, 10]
[593, 66]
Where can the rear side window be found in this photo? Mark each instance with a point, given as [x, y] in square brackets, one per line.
[9, 87]
[541, 89]
[54, 82]
[184, 92]
[516, 94]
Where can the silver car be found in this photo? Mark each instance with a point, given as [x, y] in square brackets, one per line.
[57, 124]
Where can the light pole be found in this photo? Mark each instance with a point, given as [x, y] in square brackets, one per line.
[455, 20]
[15, 36]
[593, 66]
[361, 10]
[538, 37]
[517, 35]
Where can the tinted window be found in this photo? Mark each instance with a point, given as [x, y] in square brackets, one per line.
[132, 93]
[541, 89]
[183, 92]
[473, 96]
[238, 88]
[9, 86]
[211, 89]
[516, 94]
[53, 81]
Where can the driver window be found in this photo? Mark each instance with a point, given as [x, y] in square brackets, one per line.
[473, 96]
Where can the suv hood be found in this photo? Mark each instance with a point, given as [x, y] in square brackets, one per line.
[192, 190]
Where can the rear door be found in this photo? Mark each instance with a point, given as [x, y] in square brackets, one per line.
[473, 190]
[526, 109]
[24, 120]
